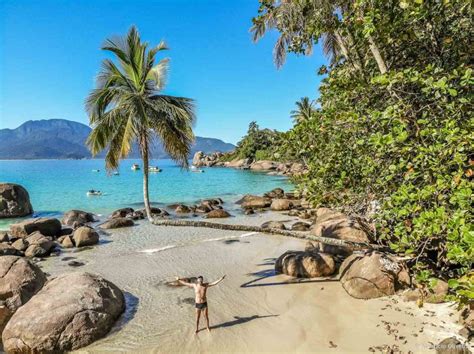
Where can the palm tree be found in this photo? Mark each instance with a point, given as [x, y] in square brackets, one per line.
[304, 110]
[127, 107]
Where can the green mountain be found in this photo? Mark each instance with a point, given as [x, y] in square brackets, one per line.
[64, 139]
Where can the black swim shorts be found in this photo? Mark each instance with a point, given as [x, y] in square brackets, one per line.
[201, 306]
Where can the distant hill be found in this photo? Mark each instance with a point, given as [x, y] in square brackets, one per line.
[64, 139]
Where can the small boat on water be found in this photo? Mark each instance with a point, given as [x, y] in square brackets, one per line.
[93, 192]
[135, 167]
[154, 169]
[95, 170]
[195, 169]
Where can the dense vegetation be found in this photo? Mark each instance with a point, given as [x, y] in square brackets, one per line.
[257, 144]
[392, 137]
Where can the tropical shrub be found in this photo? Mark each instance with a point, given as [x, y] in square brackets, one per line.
[393, 136]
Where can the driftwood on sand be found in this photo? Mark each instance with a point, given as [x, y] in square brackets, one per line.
[296, 234]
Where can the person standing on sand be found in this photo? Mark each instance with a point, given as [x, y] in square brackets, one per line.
[200, 290]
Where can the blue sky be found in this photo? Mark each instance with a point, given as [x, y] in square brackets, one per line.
[50, 54]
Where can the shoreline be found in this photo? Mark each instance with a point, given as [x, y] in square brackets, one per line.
[254, 309]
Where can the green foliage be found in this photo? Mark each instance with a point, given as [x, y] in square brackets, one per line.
[257, 144]
[394, 130]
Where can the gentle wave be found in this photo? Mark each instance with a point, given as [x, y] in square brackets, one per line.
[154, 250]
[164, 248]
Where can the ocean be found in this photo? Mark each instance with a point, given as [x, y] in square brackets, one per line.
[56, 186]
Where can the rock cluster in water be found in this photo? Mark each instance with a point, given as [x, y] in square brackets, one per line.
[39, 237]
[201, 159]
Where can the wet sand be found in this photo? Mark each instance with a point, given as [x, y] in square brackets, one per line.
[252, 310]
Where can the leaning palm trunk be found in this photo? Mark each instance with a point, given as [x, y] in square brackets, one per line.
[297, 234]
[146, 195]
[345, 52]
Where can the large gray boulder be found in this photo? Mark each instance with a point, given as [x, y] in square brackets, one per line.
[197, 159]
[14, 201]
[47, 226]
[117, 223]
[19, 281]
[305, 264]
[85, 236]
[275, 193]
[452, 345]
[333, 224]
[74, 217]
[281, 204]
[9, 250]
[263, 165]
[121, 213]
[217, 214]
[254, 201]
[368, 276]
[273, 225]
[38, 245]
[69, 312]
[239, 163]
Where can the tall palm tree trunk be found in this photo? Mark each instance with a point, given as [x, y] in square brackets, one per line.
[345, 51]
[146, 196]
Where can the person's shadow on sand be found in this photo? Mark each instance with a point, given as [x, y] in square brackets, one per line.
[239, 320]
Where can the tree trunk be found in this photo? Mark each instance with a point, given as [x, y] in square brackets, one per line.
[377, 55]
[345, 51]
[146, 198]
[297, 234]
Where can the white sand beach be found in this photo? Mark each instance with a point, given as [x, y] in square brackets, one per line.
[252, 310]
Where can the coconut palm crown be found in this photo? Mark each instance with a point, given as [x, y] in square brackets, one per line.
[127, 107]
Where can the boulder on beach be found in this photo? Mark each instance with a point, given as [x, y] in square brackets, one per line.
[77, 217]
[452, 346]
[273, 225]
[254, 201]
[372, 275]
[14, 201]
[38, 245]
[281, 204]
[333, 224]
[238, 163]
[47, 226]
[69, 312]
[263, 165]
[434, 295]
[121, 213]
[67, 242]
[217, 213]
[9, 250]
[275, 193]
[21, 244]
[305, 264]
[85, 236]
[300, 226]
[4, 236]
[117, 223]
[182, 209]
[19, 281]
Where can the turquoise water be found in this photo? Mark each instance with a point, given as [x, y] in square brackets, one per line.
[59, 185]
